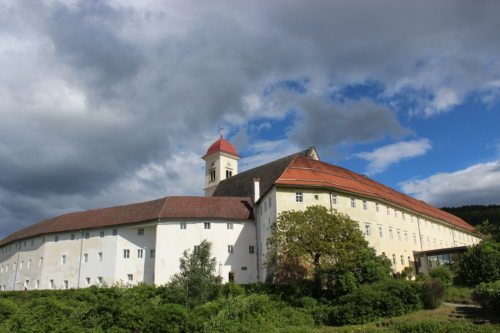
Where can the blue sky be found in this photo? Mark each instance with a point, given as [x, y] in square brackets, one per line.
[111, 102]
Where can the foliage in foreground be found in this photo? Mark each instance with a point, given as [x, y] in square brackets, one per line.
[488, 295]
[481, 263]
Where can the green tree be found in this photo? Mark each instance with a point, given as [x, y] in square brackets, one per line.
[490, 230]
[196, 281]
[481, 263]
[324, 246]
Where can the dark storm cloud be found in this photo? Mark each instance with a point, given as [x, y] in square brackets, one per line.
[329, 123]
[109, 102]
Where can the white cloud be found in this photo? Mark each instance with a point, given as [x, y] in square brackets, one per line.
[381, 158]
[477, 184]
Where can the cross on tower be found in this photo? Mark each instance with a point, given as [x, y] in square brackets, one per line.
[221, 130]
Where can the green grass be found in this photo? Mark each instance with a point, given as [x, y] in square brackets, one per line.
[440, 320]
[460, 295]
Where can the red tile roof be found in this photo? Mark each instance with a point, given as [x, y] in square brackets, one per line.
[308, 172]
[234, 208]
[222, 145]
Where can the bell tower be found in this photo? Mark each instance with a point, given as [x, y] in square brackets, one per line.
[221, 162]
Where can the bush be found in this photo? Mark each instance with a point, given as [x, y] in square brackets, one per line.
[443, 274]
[432, 326]
[7, 309]
[488, 295]
[253, 313]
[371, 302]
[432, 293]
[46, 314]
[481, 263]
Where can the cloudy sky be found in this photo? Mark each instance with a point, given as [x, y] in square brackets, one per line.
[111, 102]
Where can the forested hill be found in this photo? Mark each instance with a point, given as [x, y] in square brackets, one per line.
[475, 214]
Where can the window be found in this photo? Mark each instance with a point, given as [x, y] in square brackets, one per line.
[21, 264]
[403, 215]
[230, 249]
[376, 207]
[244, 268]
[206, 225]
[99, 279]
[140, 232]
[72, 236]
[388, 211]
[269, 202]
[152, 253]
[183, 225]
[126, 253]
[102, 234]
[334, 198]
[26, 284]
[115, 232]
[52, 284]
[130, 277]
[212, 175]
[390, 233]
[380, 232]
[87, 235]
[63, 259]
[99, 256]
[230, 277]
[409, 260]
[353, 203]
[367, 230]
[414, 239]
[406, 236]
[395, 213]
[402, 260]
[365, 205]
[56, 238]
[66, 284]
[40, 262]
[399, 235]
[251, 249]
[229, 225]
[37, 284]
[29, 264]
[85, 257]
[299, 197]
[140, 253]
[87, 281]
[316, 197]
[394, 259]
[229, 173]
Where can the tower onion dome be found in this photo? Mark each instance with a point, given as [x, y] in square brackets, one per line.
[222, 145]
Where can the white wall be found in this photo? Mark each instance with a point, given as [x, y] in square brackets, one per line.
[171, 241]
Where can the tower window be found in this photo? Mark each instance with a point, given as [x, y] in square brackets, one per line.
[212, 175]
[229, 173]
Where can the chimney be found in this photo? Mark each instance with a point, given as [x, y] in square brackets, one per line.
[256, 189]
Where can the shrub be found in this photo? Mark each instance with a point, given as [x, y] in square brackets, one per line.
[481, 263]
[433, 326]
[46, 314]
[443, 274]
[7, 309]
[253, 313]
[432, 293]
[370, 302]
[488, 295]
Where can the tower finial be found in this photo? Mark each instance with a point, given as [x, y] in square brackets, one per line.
[221, 130]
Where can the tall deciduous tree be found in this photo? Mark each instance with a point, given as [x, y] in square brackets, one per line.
[481, 263]
[197, 280]
[324, 246]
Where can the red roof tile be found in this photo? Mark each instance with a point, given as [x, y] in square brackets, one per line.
[309, 172]
[169, 207]
[222, 145]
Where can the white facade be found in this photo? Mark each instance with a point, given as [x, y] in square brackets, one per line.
[149, 252]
